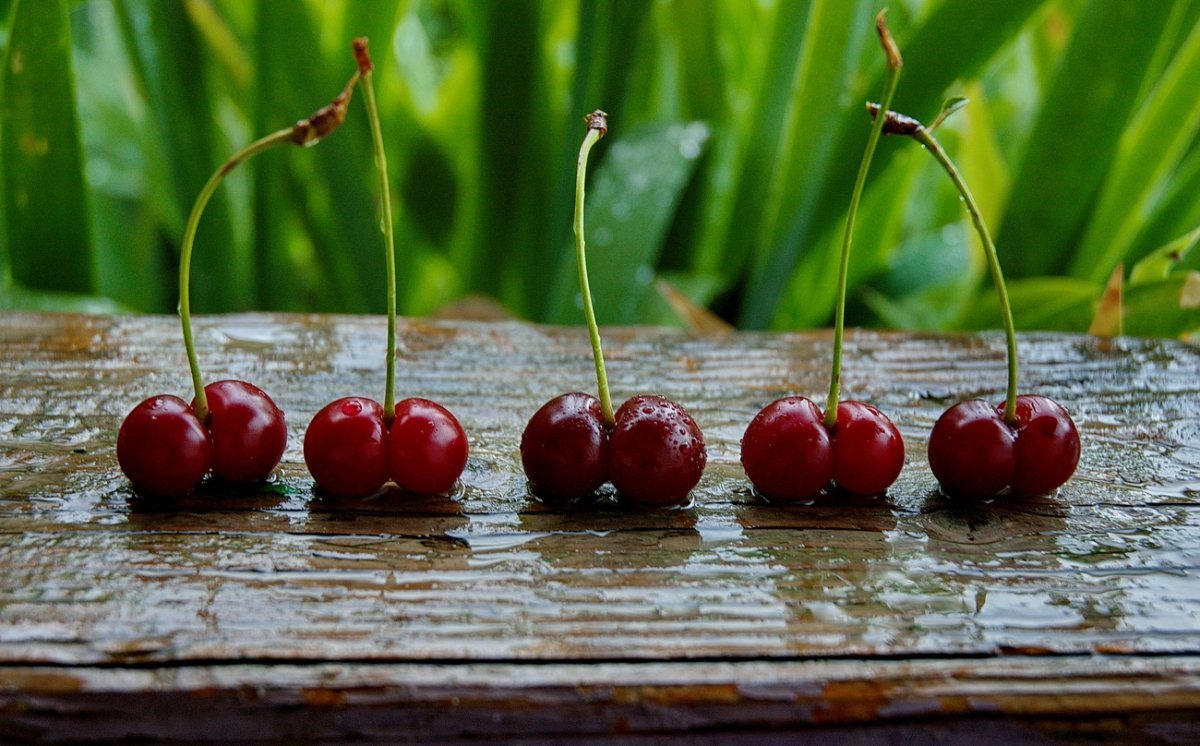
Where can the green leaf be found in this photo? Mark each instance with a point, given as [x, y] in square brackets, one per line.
[1166, 308]
[1151, 147]
[727, 240]
[1039, 303]
[952, 42]
[1179, 210]
[601, 77]
[949, 106]
[835, 32]
[629, 208]
[330, 188]
[1159, 264]
[812, 292]
[169, 62]
[1076, 135]
[14, 297]
[48, 232]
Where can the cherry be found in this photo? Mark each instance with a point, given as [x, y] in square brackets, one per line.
[790, 450]
[345, 447]
[427, 448]
[656, 452]
[971, 450]
[354, 445]
[163, 447]
[564, 447]
[868, 451]
[789, 453]
[1048, 445]
[248, 431]
[975, 454]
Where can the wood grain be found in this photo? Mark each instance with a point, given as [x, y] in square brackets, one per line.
[543, 620]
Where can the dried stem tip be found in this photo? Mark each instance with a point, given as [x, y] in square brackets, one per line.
[894, 60]
[326, 119]
[895, 123]
[362, 56]
[597, 120]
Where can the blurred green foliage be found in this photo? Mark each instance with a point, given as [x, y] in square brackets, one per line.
[736, 129]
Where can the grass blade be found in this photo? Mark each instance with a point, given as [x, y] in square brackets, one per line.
[835, 33]
[1076, 135]
[1150, 149]
[48, 233]
[1040, 303]
[952, 42]
[170, 63]
[629, 209]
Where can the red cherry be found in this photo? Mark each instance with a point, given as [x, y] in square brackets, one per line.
[1047, 445]
[972, 450]
[345, 447]
[564, 448]
[790, 455]
[974, 453]
[868, 452]
[163, 447]
[656, 452]
[787, 452]
[248, 431]
[427, 448]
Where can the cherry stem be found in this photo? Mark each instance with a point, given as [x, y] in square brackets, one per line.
[597, 127]
[389, 247]
[185, 258]
[894, 63]
[926, 139]
[304, 133]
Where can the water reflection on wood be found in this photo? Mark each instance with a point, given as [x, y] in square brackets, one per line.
[109, 591]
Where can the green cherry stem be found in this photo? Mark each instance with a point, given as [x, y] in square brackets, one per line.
[189, 240]
[894, 63]
[303, 133]
[597, 123]
[895, 123]
[925, 137]
[365, 66]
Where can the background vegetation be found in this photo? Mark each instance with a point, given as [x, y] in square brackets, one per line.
[736, 130]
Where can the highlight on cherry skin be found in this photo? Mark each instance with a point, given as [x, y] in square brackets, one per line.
[975, 454]
[159, 445]
[654, 454]
[351, 452]
[789, 454]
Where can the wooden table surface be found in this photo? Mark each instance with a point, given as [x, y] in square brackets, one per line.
[280, 614]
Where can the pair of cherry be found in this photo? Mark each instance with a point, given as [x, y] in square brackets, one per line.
[652, 451]
[166, 448]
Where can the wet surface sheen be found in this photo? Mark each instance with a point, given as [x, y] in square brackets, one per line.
[93, 574]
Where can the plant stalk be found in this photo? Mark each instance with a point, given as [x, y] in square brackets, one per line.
[597, 128]
[185, 258]
[304, 133]
[894, 63]
[926, 139]
[389, 243]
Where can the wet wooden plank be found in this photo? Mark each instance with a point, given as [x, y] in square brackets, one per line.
[385, 605]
